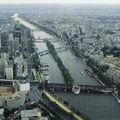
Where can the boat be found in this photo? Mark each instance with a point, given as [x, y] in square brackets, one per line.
[89, 72]
[76, 89]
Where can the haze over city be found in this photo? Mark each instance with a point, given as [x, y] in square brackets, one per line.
[59, 59]
[61, 1]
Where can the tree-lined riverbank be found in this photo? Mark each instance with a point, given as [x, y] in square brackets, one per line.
[65, 72]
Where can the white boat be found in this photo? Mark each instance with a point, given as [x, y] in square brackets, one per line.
[76, 89]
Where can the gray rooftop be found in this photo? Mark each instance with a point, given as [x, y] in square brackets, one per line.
[29, 113]
[25, 118]
[43, 118]
[1, 111]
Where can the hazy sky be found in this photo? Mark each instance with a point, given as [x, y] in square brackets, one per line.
[62, 1]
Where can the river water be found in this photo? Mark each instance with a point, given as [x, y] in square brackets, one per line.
[96, 106]
[71, 62]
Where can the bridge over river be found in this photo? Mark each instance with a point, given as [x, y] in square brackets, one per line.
[60, 87]
[44, 40]
[69, 88]
[58, 49]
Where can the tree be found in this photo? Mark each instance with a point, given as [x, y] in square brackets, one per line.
[36, 61]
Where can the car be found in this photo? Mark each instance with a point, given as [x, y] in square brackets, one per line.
[15, 112]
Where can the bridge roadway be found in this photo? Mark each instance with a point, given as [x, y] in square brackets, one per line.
[59, 49]
[61, 87]
[5, 82]
[65, 87]
[43, 40]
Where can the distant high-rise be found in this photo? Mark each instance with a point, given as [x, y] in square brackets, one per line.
[0, 39]
[9, 72]
[17, 37]
[2, 67]
[4, 41]
[17, 32]
[10, 36]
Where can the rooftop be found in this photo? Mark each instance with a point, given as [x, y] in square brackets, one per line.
[1, 111]
[30, 113]
[43, 118]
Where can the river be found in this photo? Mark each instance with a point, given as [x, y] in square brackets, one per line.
[96, 106]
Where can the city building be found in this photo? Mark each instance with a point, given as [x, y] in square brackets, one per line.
[2, 68]
[11, 46]
[34, 114]
[17, 32]
[2, 114]
[43, 118]
[4, 41]
[9, 72]
[16, 44]
[19, 61]
[25, 87]
[15, 100]
[0, 39]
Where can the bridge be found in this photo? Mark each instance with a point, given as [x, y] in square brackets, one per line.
[61, 87]
[35, 29]
[5, 82]
[65, 87]
[83, 88]
[59, 49]
[41, 40]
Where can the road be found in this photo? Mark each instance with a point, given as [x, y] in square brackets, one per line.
[65, 108]
[36, 96]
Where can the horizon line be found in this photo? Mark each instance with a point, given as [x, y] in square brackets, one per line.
[60, 3]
